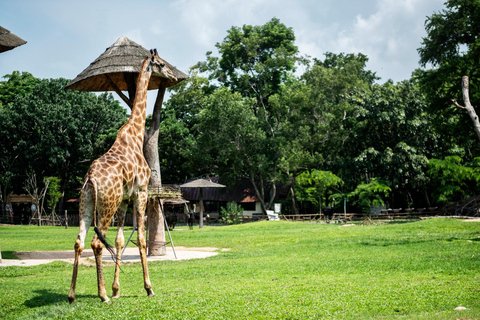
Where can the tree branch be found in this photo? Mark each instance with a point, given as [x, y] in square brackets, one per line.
[468, 106]
[458, 105]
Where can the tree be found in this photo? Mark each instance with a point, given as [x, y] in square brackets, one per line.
[313, 185]
[229, 140]
[254, 62]
[17, 84]
[453, 181]
[390, 138]
[177, 128]
[368, 196]
[57, 132]
[54, 194]
[451, 47]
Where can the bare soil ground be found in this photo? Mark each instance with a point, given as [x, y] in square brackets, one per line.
[129, 256]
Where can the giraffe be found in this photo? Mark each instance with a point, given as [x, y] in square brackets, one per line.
[115, 179]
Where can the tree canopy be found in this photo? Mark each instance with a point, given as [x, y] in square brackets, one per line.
[53, 131]
[298, 136]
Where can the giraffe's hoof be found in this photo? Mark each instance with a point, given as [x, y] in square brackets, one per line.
[150, 293]
[71, 299]
[116, 296]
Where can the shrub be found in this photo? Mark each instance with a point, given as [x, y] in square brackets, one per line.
[231, 214]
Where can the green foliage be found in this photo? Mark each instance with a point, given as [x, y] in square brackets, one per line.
[231, 213]
[17, 84]
[177, 133]
[53, 192]
[453, 181]
[55, 132]
[368, 196]
[451, 46]
[313, 185]
[229, 138]
[254, 60]
[391, 137]
[421, 270]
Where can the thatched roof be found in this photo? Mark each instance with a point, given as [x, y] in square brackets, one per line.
[122, 59]
[201, 183]
[242, 191]
[8, 40]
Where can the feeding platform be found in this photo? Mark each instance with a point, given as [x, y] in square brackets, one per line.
[165, 192]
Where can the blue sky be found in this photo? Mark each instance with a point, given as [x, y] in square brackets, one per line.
[65, 36]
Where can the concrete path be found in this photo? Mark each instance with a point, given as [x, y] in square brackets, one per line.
[130, 255]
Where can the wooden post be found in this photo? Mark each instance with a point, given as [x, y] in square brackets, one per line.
[66, 220]
[200, 222]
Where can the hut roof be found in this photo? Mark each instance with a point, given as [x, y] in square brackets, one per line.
[202, 183]
[8, 40]
[123, 57]
[242, 191]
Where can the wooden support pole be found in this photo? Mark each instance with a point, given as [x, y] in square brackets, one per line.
[119, 92]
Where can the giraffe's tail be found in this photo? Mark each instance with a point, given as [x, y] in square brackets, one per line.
[100, 237]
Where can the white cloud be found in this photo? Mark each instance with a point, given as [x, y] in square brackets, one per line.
[64, 37]
[389, 36]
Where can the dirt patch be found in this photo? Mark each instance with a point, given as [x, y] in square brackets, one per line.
[129, 256]
[472, 220]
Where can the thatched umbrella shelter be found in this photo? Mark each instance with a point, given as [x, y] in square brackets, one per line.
[201, 183]
[117, 70]
[8, 40]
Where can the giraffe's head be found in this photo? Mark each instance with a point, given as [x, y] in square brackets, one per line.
[159, 67]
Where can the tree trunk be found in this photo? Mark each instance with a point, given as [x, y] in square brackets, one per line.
[468, 106]
[156, 228]
[294, 200]
[259, 194]
[427, 199]
[273, 194]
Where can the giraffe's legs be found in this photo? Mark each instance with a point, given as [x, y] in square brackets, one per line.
[141, 204]
[79, 246]
[97, 246]
[86, 217]
[119, 244]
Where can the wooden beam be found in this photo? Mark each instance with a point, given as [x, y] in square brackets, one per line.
[119, 92]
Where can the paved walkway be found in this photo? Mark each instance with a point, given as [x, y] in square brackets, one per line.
[130, 255]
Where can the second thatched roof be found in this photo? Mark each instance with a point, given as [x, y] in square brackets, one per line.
[201, 183]
[122, 58]
[8, 40]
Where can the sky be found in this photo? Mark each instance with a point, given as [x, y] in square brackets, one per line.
[65, 36]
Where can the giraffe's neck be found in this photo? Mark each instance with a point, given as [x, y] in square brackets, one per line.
[139, 110]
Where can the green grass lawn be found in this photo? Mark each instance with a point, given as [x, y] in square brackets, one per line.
[274, 270]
